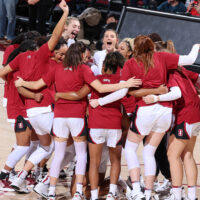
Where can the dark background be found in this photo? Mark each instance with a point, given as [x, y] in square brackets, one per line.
[184, 31]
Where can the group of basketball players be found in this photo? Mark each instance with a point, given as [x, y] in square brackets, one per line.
[50, 83]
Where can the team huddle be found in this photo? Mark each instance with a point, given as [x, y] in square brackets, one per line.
[61, 101]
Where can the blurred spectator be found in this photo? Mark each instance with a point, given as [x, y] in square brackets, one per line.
[91, 24]
[7, 19]
[39, 10]
[194, 8]
[155, 37]
[134, 3]
[111, 19]
[172, 6]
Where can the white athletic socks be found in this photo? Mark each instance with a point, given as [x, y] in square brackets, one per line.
[23, 174]
[192, 192]
[147, 194]
[113, 189]
[52, 190]
[136, 186]
[79, 188]
[94, 194]
[16, 155]
[177, 192]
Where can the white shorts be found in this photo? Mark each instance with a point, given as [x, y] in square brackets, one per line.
[62, 127]
[185, 130]
[193, 129]
[156, 118]
[111, 136]
[5, 101]
[42, 123]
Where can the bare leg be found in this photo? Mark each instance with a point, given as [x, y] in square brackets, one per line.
[115, 159]
[175, 149]
[95, 159]
[189, 162]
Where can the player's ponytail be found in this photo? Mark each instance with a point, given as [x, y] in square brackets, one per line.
[143, 51]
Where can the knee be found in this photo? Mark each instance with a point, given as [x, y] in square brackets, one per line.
[187, 156]
[115, 159]
[172, 156]
[148, 153]
[49, 149]
[94, 163]
[130, 147]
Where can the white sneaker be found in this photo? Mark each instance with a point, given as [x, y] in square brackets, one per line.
[78, 196]
[12, 175]
[41, 176]
[51, 197]
[136, 196]
[165, 186]
[19, 185]
[111, 196]
[184, 197]
[171, 196]
[156, 185]
[41, 189]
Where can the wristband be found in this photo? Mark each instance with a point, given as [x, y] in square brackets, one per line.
[100, 102]
[155, 98]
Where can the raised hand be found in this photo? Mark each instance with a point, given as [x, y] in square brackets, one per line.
[64, 6]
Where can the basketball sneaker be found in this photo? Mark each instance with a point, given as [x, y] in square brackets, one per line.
[5, 183]
[137, 195]
[111, 196]
[51, 197]
[12, 175]
[165, 186]
[42, 187]
[19, 185]
[78, 196]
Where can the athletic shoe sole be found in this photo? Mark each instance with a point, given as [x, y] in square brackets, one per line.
[41, 194]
